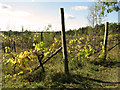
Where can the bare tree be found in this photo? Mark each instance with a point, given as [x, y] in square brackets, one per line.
[91, 16]
[94, 16]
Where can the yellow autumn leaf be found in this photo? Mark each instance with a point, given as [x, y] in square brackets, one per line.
[53, 44]
[14, 62]
[21, 72]
[10, 76]
[15, 75]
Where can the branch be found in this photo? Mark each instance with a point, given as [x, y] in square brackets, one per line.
[114, 46]
[108, 49]
[48, 58]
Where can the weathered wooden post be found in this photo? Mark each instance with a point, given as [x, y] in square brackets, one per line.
[119, 46]
[118, 30]
[64, 42]
[40, 57]
[42, 36]
[1, 61]
[9, 34]
[105, 40]
[14, 46]
[22, 36]
[118, 41]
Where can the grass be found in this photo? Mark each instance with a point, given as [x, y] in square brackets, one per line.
[86, 73]
[87, 76]
[83, 75]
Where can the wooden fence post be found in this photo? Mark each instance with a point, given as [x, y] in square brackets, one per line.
[14, 46]
[118, 39]
[22, 36]
[64, 42]
[105, 40]
[42, 36]
[118, 46]
[9, 34]
[42, 55]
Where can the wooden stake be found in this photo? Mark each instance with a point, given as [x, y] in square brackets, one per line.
[64, 42]
[41, 36]
[14, 46]
[105, 40]
[48, 58]
[9, 33]
[22, 36]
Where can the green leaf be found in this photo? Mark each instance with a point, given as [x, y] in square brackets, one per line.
[86, 50]
[113, 8]
[33, 44]
[45, 54]
[102, 12]
[7, 62]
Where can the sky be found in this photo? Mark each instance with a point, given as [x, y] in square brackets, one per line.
[35, 15]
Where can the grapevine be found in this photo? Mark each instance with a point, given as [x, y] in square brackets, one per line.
[23, 59]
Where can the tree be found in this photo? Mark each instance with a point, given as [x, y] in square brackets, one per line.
[109, 6]
[94, 16]
[91, 16]
[100, 9]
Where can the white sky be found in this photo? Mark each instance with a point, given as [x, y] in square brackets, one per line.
[36, 15]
